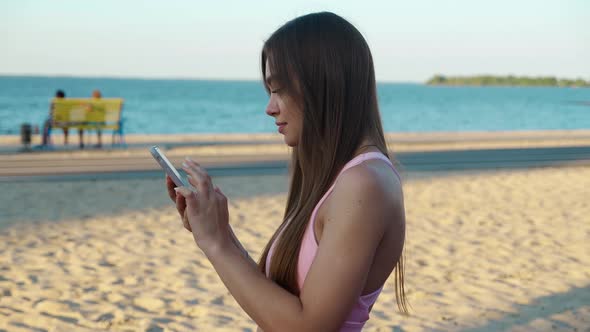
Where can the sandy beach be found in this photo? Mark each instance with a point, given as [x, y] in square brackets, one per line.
[486, 251]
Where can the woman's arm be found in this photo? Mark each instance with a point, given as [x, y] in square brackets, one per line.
[269, 305]
[239, 245]
[337, 276]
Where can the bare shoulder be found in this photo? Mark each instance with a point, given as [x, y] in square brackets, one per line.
[372, 179]
[369, 189]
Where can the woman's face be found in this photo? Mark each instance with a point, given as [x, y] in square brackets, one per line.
[288, 116]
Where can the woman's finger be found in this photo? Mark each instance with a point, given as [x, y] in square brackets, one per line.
[185, 222]
[181, 208]
[222, 198]
[170, 185]
[190, 197]
[197, 168]
[198, 177]
[180, 203]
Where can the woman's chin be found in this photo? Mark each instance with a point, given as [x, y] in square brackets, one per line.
[290, 142]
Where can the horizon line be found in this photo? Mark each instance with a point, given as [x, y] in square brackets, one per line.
[230, 79]
[159, 78]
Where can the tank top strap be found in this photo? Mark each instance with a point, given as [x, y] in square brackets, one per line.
[368, 156]
[309, 236]
[352, 163]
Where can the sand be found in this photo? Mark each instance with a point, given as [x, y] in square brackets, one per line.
[497, 250]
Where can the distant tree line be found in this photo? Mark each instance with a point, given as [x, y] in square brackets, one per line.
[510, 80]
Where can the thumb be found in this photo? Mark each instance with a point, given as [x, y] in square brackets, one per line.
[188, 194]
[220, 193]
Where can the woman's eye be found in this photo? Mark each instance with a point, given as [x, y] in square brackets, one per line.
[275, 91]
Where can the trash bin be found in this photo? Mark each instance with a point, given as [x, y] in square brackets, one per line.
[25, 135]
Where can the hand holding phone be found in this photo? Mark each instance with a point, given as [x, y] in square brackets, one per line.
[178, 182]
[168, 167]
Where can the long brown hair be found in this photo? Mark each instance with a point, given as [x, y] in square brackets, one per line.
[324, 63]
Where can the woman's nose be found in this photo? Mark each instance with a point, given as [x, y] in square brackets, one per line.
[272, 109]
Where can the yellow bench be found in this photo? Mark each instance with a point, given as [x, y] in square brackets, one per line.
[88, 113]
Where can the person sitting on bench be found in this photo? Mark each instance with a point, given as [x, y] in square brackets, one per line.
[60, 94]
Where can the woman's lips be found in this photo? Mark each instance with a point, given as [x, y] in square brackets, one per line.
[281, 126]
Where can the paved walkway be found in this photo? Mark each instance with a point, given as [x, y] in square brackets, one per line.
[119, 164]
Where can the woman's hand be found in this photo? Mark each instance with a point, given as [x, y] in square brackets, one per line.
[205, 211]
[178, 200]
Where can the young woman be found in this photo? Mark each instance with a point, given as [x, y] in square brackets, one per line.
[343, 230]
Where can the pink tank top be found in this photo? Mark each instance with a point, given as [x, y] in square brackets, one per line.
[309, 247]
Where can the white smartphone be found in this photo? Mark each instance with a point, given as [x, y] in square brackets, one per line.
[168, 167]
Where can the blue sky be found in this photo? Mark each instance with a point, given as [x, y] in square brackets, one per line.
[410, 40]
